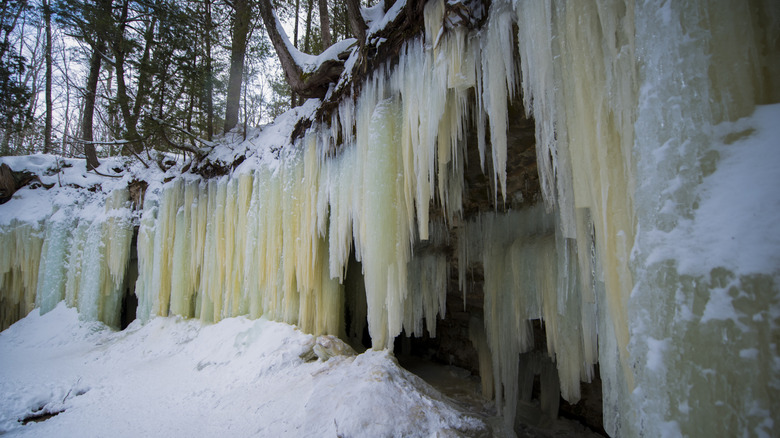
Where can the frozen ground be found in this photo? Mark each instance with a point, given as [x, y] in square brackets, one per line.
[176, 377]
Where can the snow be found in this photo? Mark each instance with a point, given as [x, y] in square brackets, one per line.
[310, 63]
[376, 19]
[735, 226]
[32, 205]
[179, 377]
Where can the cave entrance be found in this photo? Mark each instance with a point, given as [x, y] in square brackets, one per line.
[355, 306]
[129, 300]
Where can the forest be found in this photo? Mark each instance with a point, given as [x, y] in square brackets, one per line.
[101, 78]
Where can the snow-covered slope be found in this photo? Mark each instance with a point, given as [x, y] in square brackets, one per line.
[176, 377]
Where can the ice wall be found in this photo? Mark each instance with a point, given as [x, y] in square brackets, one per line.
[79, 253]
[19, 259]
[704, 329]
[275, 242]
[625, 96]
[401, 150]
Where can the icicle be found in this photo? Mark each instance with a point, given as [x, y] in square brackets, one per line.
[531, 272]
[498, 76]
[385, 253]
[19, 261]
[53, 269]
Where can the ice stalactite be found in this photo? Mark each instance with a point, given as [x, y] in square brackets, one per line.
[98, 253]
[276, 241]
[579, 83]
[102, 261]
[531, 272]
[54, 256]
[235, 246]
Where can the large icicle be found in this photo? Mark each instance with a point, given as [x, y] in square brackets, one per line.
[531, 272]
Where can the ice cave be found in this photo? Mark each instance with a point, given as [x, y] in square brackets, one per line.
[577, 201]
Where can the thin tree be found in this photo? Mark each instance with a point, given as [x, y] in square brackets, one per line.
[324, 23]
[241, 20]
[90, 95]
[307, 38]
[294, 95]
[64, 68]
[49, 104]
[209, 73]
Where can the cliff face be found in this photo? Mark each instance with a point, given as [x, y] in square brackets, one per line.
[535, 194]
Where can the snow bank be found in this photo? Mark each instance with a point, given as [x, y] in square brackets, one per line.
[179, 377]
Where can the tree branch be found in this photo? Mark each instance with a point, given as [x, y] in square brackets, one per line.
[314, 84]
[183, 131]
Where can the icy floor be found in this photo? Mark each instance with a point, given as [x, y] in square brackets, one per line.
[177, 377]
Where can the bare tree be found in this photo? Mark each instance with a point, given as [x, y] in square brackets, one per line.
[64, 68]
[120, 49]
[209, 73]
[307, 38]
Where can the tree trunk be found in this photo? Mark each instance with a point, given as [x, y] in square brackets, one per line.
[356, 22]
[119, 47]
[143, 75]
[316, 83]
[297, 16]
[47, 54]
[293, 94]
[209, 76]
[89, 109]
[307, 40]
[237, 54]
[324, 24]
[66, 117]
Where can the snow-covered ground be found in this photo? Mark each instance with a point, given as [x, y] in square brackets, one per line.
[176, 377]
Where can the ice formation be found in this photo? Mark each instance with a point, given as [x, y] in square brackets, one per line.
[80, 258]
[19, 259]
[629, 100]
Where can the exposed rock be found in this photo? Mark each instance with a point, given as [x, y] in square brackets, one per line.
[11, 181]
